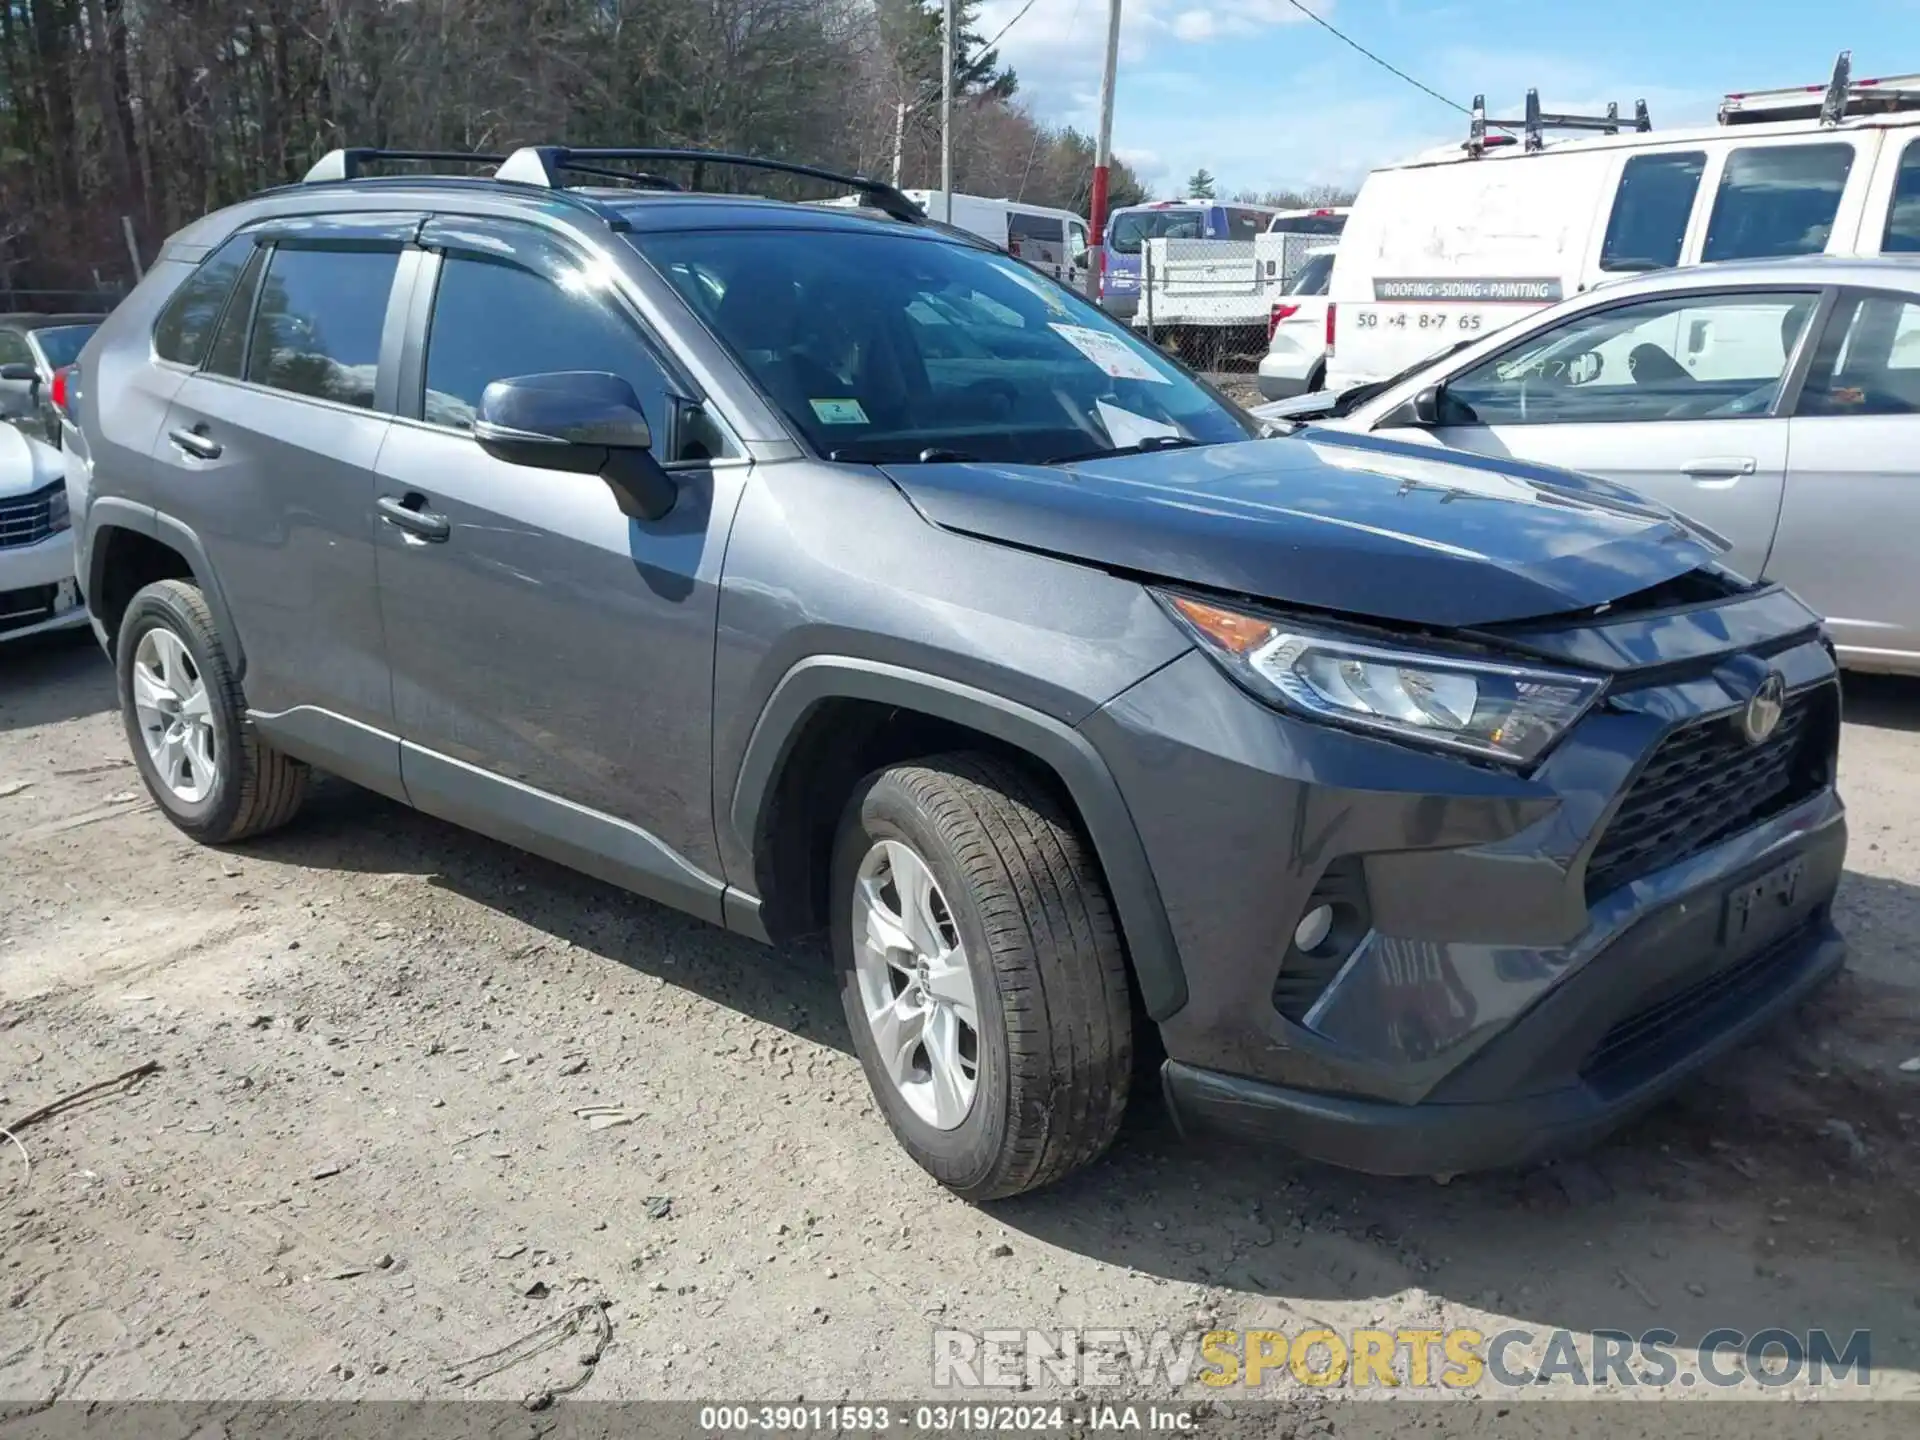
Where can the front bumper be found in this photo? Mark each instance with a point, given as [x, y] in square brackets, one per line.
[37, 588]
[1512, 986]
[1627, 1060]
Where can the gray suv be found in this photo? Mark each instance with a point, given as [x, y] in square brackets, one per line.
[810, 567]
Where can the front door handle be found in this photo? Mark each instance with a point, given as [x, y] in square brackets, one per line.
[196, 443]
[409, 513]
[1719, 467]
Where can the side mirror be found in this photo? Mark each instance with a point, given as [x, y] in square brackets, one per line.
[1426, 406]
[587, 422]
[19, 372]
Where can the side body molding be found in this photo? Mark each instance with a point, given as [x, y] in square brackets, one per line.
[1052, 742]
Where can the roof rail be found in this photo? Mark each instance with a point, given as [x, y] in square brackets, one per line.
[1829, 103]
[549, 165]
[352, 164]
[1538, 122]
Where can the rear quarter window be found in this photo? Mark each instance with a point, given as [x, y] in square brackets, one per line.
[185, 327]
[1650, 211]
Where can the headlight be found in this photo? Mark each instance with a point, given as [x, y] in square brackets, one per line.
[58, 515]
[1505, 712]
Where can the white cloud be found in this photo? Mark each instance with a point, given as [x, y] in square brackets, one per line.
[1194, 25]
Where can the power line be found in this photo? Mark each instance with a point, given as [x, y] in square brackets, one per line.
[1345, 39]
[988, 47]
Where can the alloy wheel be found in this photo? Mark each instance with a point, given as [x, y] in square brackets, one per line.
[176, 718]
[915, 987]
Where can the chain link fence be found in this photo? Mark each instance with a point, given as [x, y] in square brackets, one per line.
[1204, 301]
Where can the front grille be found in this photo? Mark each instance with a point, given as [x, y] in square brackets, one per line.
[21, 608]
[26, 521]
[1643, 1033]
[1704, 783]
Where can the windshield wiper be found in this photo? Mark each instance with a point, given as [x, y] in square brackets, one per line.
[1139, 447]
[932, 455]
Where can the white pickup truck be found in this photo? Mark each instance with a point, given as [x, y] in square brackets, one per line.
[1209, 298]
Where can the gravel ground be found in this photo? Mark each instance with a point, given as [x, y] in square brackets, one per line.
[363, 1158]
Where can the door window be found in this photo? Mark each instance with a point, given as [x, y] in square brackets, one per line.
[1903, 215]
[1868, 362]
[1684, 357]
[1777, 200]
[493, 320]
[1650, 211]
[186, 325]
[317, 323]
[14, 349]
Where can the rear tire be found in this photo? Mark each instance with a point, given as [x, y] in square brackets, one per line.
[1015, 892]
[184, 712]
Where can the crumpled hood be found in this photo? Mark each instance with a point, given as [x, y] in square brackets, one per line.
[1331, 521]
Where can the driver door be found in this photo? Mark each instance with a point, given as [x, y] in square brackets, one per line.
[1676, 396]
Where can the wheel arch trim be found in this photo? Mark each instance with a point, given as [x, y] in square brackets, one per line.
[109, 511]
[1049, 741]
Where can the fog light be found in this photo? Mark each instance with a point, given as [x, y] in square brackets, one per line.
[1314, 928]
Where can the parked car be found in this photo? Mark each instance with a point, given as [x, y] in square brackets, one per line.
[38, 591]
[1776, 402]
[816, 569]
[1053, 241]
[1462, 240]
[1296, 358]
[33, 348]
[1131, 226]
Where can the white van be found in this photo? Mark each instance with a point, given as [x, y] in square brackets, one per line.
[1458, 242]
[1053, 241]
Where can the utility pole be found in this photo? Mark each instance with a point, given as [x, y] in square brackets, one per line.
[1103, 151]
[946, 114]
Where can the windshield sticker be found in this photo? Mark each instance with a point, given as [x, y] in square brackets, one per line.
[1126, 428]
[839, 412]
[1112, 354]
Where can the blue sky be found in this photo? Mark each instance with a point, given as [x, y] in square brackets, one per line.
[1262, 97]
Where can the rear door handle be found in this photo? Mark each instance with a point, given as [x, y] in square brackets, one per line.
[410, 513]
[195, 443]
[1719, 467]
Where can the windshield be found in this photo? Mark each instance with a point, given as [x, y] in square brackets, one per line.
[892, 346]
[1313, 276]
[61, 343]
[1133, 228]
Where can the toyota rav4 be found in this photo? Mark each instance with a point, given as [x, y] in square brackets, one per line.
[815, 567]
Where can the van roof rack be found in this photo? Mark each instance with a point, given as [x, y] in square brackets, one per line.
[1537, 122]
[549, 165]
[352, 164]
[1829, 103]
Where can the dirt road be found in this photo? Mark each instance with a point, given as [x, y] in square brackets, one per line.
[371, 1152]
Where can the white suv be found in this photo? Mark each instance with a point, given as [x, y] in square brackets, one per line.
[1296, 358]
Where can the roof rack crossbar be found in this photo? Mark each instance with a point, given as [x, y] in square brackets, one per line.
[1840, 98]
[352, 164]
[1537, 122]
[548, 165]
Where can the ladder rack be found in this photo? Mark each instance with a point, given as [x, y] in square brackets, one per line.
[1836, 100]
[1537, 122]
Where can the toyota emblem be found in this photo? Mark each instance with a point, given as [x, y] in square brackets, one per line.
[1762, 714]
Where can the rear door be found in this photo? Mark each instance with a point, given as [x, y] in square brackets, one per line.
[1852, 508]
[267, 454]
[1674, 395]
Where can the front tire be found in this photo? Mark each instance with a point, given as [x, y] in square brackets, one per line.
[982, 973]
[186, 719]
